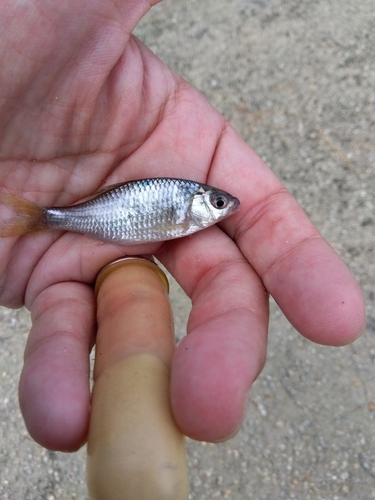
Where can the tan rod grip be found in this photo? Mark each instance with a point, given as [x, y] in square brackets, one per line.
[135, 451]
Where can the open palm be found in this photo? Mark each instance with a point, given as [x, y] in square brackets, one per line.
[84, 104]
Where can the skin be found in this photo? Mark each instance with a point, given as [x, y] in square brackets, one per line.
[83, 104]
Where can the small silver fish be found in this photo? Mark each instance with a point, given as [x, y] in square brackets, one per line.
[140, 211]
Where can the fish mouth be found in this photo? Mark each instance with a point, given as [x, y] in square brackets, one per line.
[235, 204]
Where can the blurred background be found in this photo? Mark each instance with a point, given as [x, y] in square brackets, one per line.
[297, 80]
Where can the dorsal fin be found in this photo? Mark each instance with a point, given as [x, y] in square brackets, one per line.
[104, 189]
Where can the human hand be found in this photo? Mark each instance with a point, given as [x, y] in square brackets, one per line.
[83, 104]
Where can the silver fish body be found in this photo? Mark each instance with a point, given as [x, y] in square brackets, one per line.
[146, 210]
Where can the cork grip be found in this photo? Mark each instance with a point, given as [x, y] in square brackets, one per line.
[135, 451]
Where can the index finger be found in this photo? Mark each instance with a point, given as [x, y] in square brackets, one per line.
[303, 273]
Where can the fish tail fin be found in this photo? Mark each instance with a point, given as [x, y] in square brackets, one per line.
[21, 216]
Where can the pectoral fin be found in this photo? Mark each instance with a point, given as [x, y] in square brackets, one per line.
[170, 228]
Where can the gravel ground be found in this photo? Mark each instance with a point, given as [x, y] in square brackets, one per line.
[297, 80]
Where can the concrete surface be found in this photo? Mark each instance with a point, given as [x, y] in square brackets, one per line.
[297, 80]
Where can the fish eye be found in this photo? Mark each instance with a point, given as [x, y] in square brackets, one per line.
[219, 201]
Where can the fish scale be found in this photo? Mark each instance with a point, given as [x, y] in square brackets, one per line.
[138, 211]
